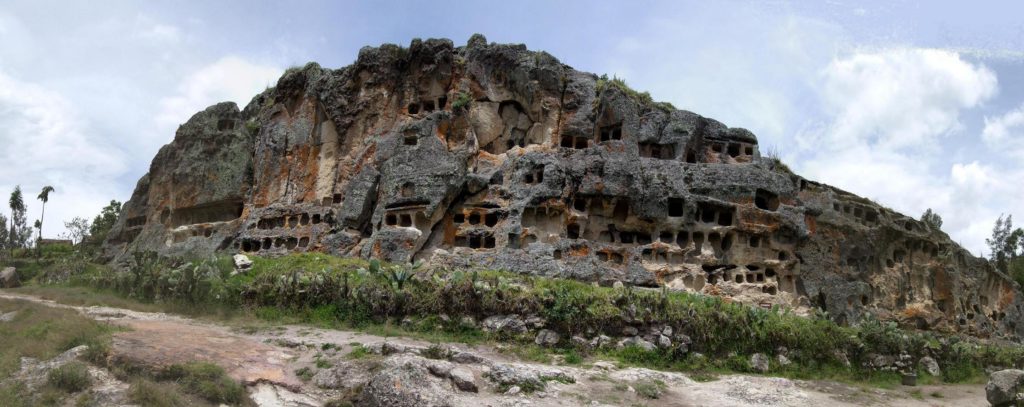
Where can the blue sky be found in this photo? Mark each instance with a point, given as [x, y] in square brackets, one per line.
[912, 104]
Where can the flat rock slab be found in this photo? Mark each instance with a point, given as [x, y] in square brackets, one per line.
[158, 344]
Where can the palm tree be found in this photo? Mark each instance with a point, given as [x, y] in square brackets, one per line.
[43, 196]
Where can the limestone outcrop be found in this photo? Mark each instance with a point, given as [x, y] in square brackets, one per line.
[493, 156]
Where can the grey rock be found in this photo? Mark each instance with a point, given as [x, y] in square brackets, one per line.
[440, 368]
[510, 324]
[580, 342]
[342, 375]
[600, 341]
[466, 358]
[9, 278]
[630, 331]
[509, 375]
[759, 363]
[463, 379]
[638, 342]
[391, 348]
[664, 342]
[405, 381]
[242, 262]
[930, 366]
[526, 376]
[547, 338]
[783, 360]
[8, 317]
[683, 343]
[1003, 386]
[535, 322]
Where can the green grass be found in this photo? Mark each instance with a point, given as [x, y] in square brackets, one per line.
[358, 352]
[651, 389]
[205, 380]
[604, 83]
[145, 392]
[43, 332]
[72, 377]
[305, 373]
[322, 363]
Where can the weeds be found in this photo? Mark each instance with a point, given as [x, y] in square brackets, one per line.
[305, 373]
[72, 377]
[146, 392]
[358, 352]
[651, 389]
[462, 100]
[205, 380]
[43, 332]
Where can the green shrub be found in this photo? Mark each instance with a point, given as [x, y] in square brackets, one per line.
[72, 377]
[205, 380]
[652, 389]
[147, 393]
[463, 99]
[358, 352]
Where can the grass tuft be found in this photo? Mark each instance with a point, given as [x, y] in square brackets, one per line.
[205, 380]
[72, 377]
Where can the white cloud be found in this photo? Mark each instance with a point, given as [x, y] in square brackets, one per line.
[43, 141]
[1005, 134]
[884, 117]
[229, 79]
[900, 98]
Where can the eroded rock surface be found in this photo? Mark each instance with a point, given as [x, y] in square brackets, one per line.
[9, 278]
[494, 156]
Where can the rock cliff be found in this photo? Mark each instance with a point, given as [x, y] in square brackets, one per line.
[494, 156]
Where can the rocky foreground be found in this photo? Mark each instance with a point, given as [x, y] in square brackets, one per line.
[303, 366]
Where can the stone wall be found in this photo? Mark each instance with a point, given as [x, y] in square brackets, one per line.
[493, 156]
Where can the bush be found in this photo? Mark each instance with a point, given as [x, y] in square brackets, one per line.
[205, 380]
[147, 393]
[72, 377]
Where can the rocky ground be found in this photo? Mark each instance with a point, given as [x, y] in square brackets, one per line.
[304, 366]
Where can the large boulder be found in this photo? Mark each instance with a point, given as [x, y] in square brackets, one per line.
[1003, 387]
[406, 381]
[9, 278]
[547, 338]
[505, 324]
[343, 375]
[930, 366]
[759, 362]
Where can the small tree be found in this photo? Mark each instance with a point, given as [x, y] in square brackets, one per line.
[1005, 243]
[103, 222]
[45, 197]
[4, 238]
[78, 229]
[20, 231]
[932, 219]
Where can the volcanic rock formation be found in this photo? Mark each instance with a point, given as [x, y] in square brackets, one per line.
[493, 156]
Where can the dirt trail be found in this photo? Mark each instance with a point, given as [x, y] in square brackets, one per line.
[266, 361]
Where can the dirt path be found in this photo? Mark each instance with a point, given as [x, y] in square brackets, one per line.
[266, 360]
